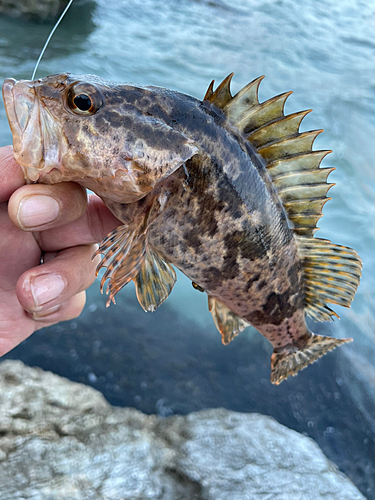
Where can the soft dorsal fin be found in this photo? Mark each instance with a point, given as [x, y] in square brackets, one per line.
[332, 272]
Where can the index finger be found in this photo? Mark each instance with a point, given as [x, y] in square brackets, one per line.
[11, 176]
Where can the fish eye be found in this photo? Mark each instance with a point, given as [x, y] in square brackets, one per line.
[84, 99]
[83, 102]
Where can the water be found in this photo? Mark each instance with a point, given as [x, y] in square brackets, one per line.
[172, 361]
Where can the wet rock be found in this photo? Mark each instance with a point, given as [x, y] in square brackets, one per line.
[35, 9]
[60, 439]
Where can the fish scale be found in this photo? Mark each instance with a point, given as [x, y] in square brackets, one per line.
[225, 189]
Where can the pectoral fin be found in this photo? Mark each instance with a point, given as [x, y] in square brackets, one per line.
[154, 281]
[124, 251]
[128, 256]
[227, 322]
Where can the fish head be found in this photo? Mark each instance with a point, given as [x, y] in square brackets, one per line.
[94, 132]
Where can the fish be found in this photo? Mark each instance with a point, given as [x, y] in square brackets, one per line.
[226, 189]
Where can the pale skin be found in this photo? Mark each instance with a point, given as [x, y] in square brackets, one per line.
[59, 223]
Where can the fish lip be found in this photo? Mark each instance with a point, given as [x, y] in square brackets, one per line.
[8, 99]
[22, 109]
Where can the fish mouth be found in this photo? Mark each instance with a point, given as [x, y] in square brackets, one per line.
[35, 139]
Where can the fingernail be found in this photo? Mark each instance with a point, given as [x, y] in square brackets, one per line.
[46, 287]
[37, 210]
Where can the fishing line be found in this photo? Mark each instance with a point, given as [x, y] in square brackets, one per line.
[49, 38]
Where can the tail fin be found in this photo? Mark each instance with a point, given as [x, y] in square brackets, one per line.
[289, 361]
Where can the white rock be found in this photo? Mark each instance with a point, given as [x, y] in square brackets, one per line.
[62, 440]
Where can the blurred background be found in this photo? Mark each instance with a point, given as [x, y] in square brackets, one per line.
[172, 361]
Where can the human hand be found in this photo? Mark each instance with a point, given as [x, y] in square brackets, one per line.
[54, 221]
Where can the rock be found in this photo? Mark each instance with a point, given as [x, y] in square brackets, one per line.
[168, 364]
[36, 9]
[62, 440]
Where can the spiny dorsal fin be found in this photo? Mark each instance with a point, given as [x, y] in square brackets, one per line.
[246, 98]
[263, 113]
[286, 126]
[209, 92]
[287, 152]
[222, 94]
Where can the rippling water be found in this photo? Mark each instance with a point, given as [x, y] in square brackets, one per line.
[324, 51]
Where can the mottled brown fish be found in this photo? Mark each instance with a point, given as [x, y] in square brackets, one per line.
[226, 189]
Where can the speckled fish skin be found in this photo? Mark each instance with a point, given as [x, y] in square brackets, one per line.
[213, 211]
[225, 228]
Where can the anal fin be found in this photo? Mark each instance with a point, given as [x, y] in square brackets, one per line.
[290, 360]
[227, 322]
